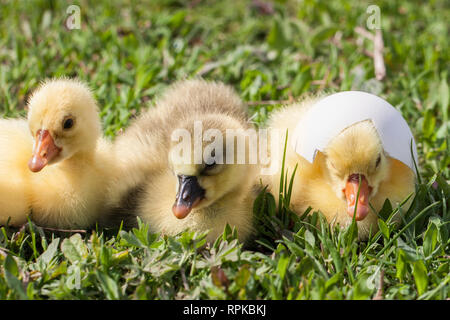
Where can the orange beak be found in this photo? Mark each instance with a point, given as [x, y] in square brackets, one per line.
[44, 151]
[351, 192]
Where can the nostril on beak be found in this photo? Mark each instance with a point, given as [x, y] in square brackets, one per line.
[186, 195]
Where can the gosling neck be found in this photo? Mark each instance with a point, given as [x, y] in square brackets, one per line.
[234, 196]
[80, 157]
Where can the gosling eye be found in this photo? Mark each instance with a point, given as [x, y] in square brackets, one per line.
[378, 161]
[211, 169]
[210, 166]
[68, 123]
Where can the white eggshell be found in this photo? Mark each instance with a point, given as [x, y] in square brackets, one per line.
[334, 113]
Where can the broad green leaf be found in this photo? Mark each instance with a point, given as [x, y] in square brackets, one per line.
[178, 18]
[401, 264]
[310, 239]
[278, 34]
[384, 229]
[361, 289]
[16, 285]
[242, 276]
[108, 285]
[295, 249]
[430, 239]
[131, 239]
[271, 204]
[420, 276]
[10, 265]
[282, 266]
[51, 251]
[443, 269]
[429, 124]
[259, 204]
[305, 266]
[332, 281]
[11, 271]
[74, 248]
[322, 34]
[386, 210]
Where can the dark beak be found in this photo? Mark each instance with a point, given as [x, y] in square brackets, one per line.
[190, 193]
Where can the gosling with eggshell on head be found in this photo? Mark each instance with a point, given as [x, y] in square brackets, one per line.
[353, 160]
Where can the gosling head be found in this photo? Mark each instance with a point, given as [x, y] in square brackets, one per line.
[206, 179]
[355, 161]
[63, 119]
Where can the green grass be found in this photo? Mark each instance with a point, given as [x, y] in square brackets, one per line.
[130, 52]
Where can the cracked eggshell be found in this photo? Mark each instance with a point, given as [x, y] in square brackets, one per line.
[334, 113]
